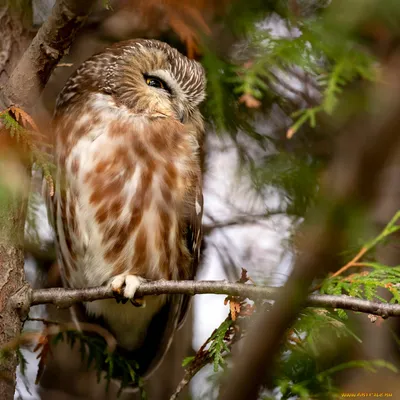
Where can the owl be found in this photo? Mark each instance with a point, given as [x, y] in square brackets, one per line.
[128, 201]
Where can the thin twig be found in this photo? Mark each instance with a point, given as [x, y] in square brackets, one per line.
[24, 339]
[202, 359]
[390, 228]
[189, 374]
[239, 220]
[351, 263]
[363, 264]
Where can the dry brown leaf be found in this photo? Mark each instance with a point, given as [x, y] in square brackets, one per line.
[23, 118]
[44, 347]
[249, 101]
[290, 132]
[187, 18]
[246, 310]
[235, 309]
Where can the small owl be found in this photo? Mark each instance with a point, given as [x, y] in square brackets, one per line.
[128, 197]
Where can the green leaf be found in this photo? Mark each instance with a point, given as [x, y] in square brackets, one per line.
[187, 361]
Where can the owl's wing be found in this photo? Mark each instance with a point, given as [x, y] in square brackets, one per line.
[194, 236]
[158, 337]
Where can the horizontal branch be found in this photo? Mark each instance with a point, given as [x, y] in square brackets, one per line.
[67, 297]
[246, 219]
[384, 310]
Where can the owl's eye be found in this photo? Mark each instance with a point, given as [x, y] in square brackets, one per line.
[156, 83]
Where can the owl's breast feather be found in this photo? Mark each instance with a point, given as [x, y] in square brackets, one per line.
[125, 181]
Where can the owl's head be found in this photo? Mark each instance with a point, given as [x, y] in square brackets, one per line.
[147, 76]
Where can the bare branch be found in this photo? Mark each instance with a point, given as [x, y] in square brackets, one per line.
[67, 297]
[353, 304]
[201, 359]
[240, 220]
[186, 380]
[62, 297]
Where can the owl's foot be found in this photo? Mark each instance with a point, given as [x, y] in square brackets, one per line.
[124, 287]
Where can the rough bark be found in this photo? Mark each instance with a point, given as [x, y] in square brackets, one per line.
[12, 217]
[11, 279]
[14, 39]
[47, 48]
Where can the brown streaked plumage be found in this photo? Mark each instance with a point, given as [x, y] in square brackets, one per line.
[128, 199]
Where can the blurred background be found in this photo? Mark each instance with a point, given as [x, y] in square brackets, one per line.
[286, 81]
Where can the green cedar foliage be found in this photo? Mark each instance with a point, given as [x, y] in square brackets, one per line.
[94, 352]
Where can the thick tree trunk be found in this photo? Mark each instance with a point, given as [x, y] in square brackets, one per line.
[11, 279]
[15, 34]
[14, 39]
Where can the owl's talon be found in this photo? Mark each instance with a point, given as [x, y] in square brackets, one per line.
[139, 302]
[124, 287]
[120, 299]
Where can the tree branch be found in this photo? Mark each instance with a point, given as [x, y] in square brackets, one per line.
[62, 297]
[240, 220]
[67, 297]
[47, 48]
